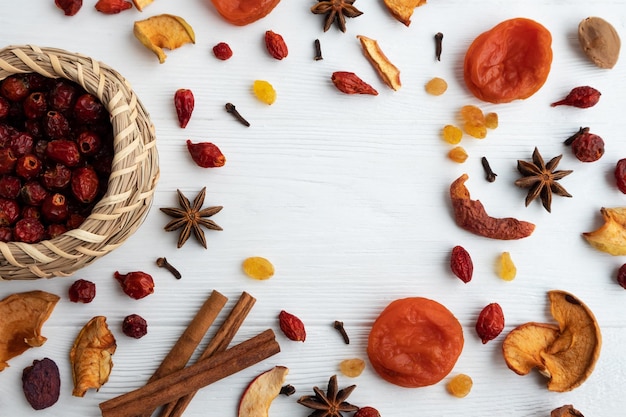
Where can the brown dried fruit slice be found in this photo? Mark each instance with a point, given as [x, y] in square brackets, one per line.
[402, 10]
[91, 356]
[611, 236]
[163, 31]
[567, 354]
[389, 73]
[21, 317]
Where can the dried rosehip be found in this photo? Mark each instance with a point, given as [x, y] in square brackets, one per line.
[620, 175]
[621, 276]
[206, 154]
[222, 51]
[63, 151]
[136, 284]
[135, 326]
[88, 108]
[56, 125]
[461, 264]
[588, 147]
[490, 322]
[41, 383]
[184, 103]
[14, 88]
[9, 211]
[85, 184]
[581, 97]
[291, 326]
[28, 230]
[28, 166]
[54, 208]
[82, 291]
[69, 7]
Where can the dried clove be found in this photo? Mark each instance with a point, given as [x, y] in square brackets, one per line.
[489, 174]
[438, 45]
[318, 50]
[339, 326]
[163, 263]
[230, 108]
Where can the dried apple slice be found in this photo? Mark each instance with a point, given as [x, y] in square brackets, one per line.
[163, 31]
[402, 10]
[259, 394]
[389, 73]
[611, 236]
[21, 317]
[566, 354]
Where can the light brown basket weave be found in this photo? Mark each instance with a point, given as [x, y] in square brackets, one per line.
[134, 173]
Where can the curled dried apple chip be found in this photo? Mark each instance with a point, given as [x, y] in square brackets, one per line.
[21, 317]
[163, 31]
[566, 354]
[611, 236]
[389, 73]
[91, 356]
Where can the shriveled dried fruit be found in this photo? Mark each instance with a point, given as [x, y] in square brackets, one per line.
[22, 316]
[460, 385]
[461, 264]
[388, 72]
[599, 41]
[506, 268]
[352, 367]
[611, 236]
[257, 267]
[490, 322]
[292, 326]
[264, 91]
[91, 356]
[41, 383]
[350, 83]
[163, 31]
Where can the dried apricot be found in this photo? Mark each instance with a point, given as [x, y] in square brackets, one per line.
[510, 61]
[415, 342]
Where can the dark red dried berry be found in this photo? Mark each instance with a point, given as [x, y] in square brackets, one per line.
[222, 51]
[33, 193]
[10, 186]
[461, 264]
[63, 151]
[85, 184]
[206, 154]
[581, 97]
[28, 166]
[28, 230]
[82, 291]
[88, 108]
[69, 7]
[135, 284]
[135, 326]
[41, 383]
[588, 147]
[54, 208]
[14, 88]
[9, 211]
[184, 103]
[35, 105]
[56, 125]
[620, 175]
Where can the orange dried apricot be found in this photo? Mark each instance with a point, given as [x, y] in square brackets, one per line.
[415, 342]
[244, 12]
[510, 61]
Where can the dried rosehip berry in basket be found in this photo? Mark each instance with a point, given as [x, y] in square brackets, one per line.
[184, 102]
[136, 284]
[134, 326]
[620, 175]
[222, 51]
[206, 154]
[490, 322]
[82, 291]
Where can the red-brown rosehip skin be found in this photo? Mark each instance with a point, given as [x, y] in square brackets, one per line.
[134, 326]
[620, 175]
[82, 291]
[206, 154]
[136, 284]
[490, 322]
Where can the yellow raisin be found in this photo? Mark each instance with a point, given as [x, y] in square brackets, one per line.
[264, 91]
[352, 367]
[451, 134]
[258, 268]
[460, 385]
[506, 268]
[458, 154]
[491, 120]
[436, 86]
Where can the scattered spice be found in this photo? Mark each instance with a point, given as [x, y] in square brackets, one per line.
[336, 11]
[230, 108]
[287, 390]
[581, 97]
[191, 217]
[318, 50]
[162, 262]
[542, 179]
[332, 403]
[338, 325]
[490, 176]
[438, 45]
[350, 83]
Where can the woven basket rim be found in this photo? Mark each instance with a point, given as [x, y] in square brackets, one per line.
[133, 178]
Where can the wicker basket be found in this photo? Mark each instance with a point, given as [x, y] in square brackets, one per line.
[133, 177]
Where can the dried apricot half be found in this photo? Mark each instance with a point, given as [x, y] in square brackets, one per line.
[415, 342]
[511, 61]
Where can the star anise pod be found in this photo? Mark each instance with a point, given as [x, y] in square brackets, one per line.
[191, 217]
[329, 404]
[542, 179]
[336, 11]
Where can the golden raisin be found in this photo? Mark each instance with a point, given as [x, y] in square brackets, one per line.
[460, 385]
[452, 134]
[506, 267]
[491, 120]
[352, 367]
[264, 91]
[436, 86]
[258, 268]
[458, 154]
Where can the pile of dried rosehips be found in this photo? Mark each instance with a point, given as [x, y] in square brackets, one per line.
[56, 149]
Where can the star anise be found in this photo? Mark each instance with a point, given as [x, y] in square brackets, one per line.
[329, 404]
[191, 218]
[542, 179]
[336, 11]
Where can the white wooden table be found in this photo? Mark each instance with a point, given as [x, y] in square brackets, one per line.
[347, 196]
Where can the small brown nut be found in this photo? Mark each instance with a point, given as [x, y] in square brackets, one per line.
[41, 383]
[599, 41]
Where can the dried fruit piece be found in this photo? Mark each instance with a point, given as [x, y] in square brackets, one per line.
[21, 317]
[436, 86]
[451, 134]
[611, 236]
[41, 383]
[292, 326]
[460, 385]
[402, 10]
[506, 268]
[244, 12]
[566, 353]
[458, 154]
[581, 97]
[599, 41]
[163, 31]
[206, 154]
[350, 83]
[490, 322]
[91, 356]
[510, 61]
[415, 342]
[352, 367]
[134, 326]
[184, 103]
[275, 45]
[257, 267]
[620, 175]
[461, 264]
[136, 284]
[471, 216]
[388, 72]
[264, 91]
[261, 391]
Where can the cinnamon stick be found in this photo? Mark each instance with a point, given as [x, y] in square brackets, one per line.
[192, 378]
[218, 343]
